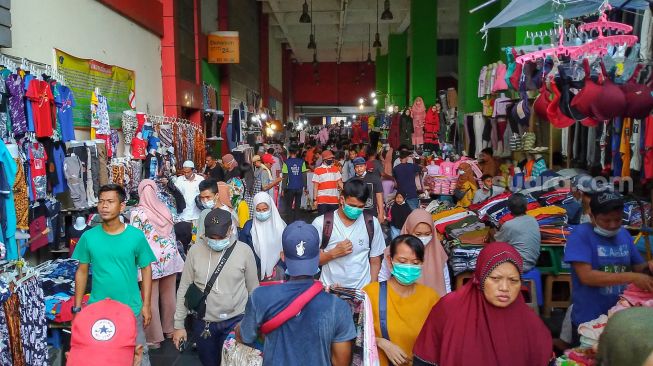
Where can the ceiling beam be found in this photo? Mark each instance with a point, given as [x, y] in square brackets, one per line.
[274, 5]
[341, 27]
[405, 23]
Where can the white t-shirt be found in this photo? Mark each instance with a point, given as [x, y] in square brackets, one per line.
[352, 270]
[636, 158]
[189, 189]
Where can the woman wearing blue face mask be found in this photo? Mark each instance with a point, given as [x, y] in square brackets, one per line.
[400, 305]
[263, 235]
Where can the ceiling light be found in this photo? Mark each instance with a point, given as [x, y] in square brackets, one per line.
[264, 116]
[353, 116]
[372, 95]
[369, 58]
[387, 14]
[361, 100]
[315, 62]
[274, 127]
[377, 41]
[375, 102]
[305, 18]
[377, 37]
[311, 42]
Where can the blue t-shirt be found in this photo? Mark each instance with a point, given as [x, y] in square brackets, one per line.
[30, 118]
[305, 339]
[295, 168]
[65, 102]
[404, 173]
[614, 255]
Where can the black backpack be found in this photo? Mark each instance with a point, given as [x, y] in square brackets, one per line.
[327, 228]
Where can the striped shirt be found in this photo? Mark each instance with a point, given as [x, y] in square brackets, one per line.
[327, 178]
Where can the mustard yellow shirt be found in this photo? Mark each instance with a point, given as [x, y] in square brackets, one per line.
[405, 315]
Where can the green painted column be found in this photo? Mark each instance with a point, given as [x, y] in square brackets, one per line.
[381, 63]
[424, 53]
[397, 63]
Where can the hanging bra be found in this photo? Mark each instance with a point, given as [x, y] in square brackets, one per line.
[610, 102]
[553, 112]
[639, 97]
[565, 83]
[585, 98]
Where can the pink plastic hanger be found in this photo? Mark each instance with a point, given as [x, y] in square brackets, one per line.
[561, 50]
[604, 24]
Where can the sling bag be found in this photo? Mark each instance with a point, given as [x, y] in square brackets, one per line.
[195, 299]
[292, 309]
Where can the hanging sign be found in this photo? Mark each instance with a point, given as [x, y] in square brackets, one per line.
[224, 47]
[115, 83]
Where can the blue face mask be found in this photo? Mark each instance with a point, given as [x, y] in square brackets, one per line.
[352, 212]
[263, 216]
[218, 244]
[406, 274]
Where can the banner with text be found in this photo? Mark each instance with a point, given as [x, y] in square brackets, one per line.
[224, 47]
[82, 76]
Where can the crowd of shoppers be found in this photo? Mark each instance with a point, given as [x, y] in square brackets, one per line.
[251, 262]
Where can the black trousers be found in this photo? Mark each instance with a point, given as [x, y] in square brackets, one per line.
[291, 196]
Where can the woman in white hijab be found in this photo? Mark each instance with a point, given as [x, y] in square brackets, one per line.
[263, 235]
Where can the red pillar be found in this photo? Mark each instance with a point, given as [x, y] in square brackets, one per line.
[225, 84]
[264, 57]
[286, 83]
[169, 60]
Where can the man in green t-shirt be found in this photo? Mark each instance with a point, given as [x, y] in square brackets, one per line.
[115, 251]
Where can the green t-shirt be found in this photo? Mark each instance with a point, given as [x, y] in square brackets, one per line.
[115, 260]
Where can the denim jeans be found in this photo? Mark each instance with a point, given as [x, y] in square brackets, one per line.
[210, 349]
[140, 339]
[413, 203]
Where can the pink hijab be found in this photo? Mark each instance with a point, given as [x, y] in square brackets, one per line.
[418, 112]
[157, 212]
[435, 258]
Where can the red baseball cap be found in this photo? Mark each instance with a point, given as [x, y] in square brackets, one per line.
[267, 159]
[104, 333]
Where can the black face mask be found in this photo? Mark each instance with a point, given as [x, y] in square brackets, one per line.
[328, 162]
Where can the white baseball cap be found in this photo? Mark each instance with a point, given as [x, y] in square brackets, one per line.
[189, 164]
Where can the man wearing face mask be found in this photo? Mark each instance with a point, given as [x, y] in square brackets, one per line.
[327, 181]
[604, 260]
[209, 199]
[227, 267]
[374, 203]
[351, 241]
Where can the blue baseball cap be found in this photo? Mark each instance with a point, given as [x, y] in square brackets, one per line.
[301, 249]
[359, 161]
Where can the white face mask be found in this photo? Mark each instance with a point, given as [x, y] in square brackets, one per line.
[461, 172]
[606, 233]
[209, 204]
[425, 239]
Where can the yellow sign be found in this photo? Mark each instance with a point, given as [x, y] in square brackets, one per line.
[83, 76]
[224, 48]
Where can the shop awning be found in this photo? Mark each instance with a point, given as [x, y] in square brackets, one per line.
[531, 12]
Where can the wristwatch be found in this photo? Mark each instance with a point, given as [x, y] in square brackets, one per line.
[75, 309]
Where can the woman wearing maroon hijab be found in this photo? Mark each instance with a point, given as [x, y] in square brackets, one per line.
[486, 322]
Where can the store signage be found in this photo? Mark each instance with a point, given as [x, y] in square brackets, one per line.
[83, 76]
[224, 47]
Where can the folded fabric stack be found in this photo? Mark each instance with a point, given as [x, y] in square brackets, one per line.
[463, 260]
[440, 184]
[633, 213]
[632, 297]
[58, 281]
[469, 231]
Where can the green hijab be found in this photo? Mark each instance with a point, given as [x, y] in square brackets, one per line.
[627, 338]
